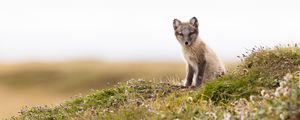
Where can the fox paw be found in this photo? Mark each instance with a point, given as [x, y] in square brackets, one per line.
[186, 83]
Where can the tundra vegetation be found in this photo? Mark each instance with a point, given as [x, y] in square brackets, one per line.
[265, 85]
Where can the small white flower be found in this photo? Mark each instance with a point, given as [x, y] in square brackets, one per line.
[282, 83]
[212, 114]
[288, 77]
[243, 101]
[180, 110]
[195, 118]
[277, 91]
[252, 98]
[266, 96]
[190, 99]
[281, 116]
[286, 91]
[227, 116]
[262, 92]
[270, 108]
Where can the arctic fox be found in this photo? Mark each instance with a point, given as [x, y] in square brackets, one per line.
[202, 62]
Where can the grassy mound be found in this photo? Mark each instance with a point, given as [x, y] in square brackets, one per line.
[261, 69]
[265, 85]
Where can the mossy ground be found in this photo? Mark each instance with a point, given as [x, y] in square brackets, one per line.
[258, 88]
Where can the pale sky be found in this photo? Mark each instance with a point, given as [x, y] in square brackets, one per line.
[139, 30]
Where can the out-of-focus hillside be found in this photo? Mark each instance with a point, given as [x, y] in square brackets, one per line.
[36, 83]
[79, 76]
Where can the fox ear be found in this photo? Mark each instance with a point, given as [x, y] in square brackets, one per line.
[176, 23]
[194, 22]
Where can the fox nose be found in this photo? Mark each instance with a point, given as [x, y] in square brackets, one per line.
[186, 43]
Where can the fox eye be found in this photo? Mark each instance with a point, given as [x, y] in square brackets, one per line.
[192, 32]
[179, 33]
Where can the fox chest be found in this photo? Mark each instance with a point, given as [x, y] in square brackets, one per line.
[192, 58]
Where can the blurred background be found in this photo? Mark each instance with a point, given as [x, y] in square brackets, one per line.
[53, 50]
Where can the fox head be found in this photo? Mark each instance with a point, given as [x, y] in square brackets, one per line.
[186, 32]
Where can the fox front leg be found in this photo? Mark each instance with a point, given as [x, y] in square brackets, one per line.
[199, 73]
[189, 76]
